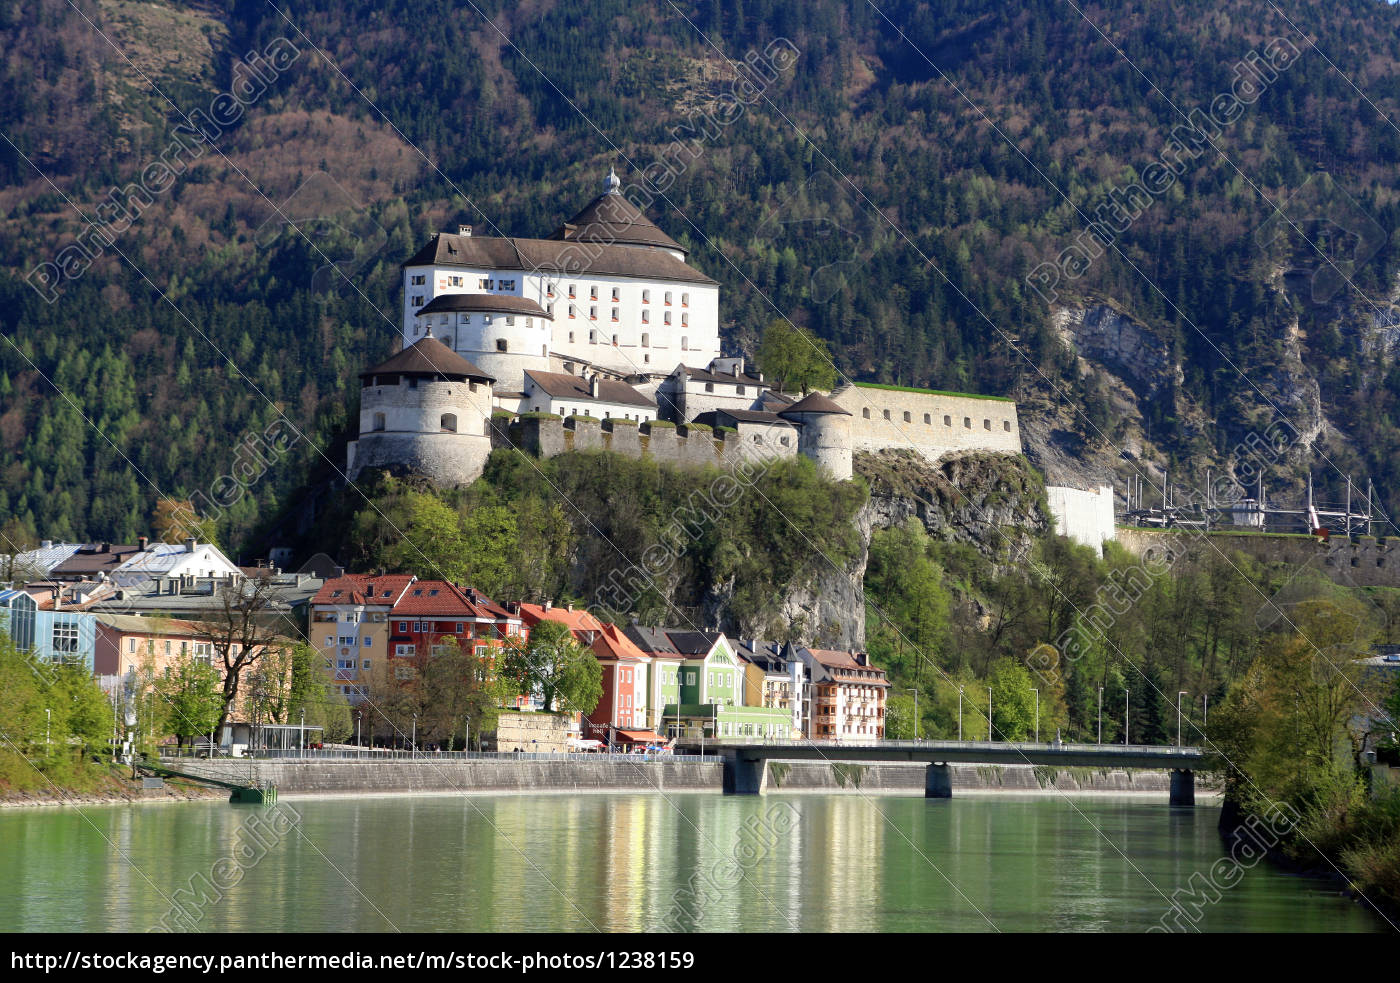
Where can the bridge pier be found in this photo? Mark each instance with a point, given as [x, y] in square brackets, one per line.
[744, 776]
[938, 781]
[1183, 788]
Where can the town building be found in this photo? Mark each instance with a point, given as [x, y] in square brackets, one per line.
[595, 396]
[349, 627]
[847, 695]
[48, 634]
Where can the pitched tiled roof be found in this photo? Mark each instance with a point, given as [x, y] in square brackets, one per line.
[611, 218]
[576, 620]
[363, 588]
[491, 303]
[755, 416]
[612, 643]
[814, 403]
[94, 559]
[434, 598]
[561, 385]
[428, 357]
[554, 256]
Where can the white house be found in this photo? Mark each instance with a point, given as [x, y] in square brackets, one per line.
[571, 395]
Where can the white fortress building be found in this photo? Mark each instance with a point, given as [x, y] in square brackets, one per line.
[606, 291]
[606, 325]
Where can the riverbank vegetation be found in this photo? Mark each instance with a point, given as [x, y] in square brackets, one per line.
[1263, 662]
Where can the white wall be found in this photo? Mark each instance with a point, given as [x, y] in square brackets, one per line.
[1086, 517]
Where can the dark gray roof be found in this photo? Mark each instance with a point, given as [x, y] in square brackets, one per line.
[553, 256]
[429, 357]
[814, 403]
[755, 416]
[492, 303]
[651, 640]
[611, 218]
[705, 375]
[561, 385]
[693, 642]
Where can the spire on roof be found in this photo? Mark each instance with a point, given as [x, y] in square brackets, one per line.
[612, 183]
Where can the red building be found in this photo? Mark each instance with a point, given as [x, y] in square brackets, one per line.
[430, 612]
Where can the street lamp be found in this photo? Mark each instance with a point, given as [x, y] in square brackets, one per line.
[413, 741]
[1037, 714]
[1179, 695]
[1100, 715]
[1125, 718]
[990, 737]
[1205, 709]
[916, 711]
[960, 696]
[301, 734]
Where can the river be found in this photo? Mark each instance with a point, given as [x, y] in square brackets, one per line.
[621, 862]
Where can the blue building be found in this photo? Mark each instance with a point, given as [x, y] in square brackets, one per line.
[53, 636]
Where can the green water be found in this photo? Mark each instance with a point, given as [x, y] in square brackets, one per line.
[606, 862]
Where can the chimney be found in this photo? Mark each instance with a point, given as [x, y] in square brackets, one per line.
[141, 543]
[106, 548]
[593, 385]
[58, 599]
[189, 544]
[548, 604]
[464, 230]
[862, 658]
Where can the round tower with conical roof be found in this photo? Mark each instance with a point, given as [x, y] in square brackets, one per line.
[426, 411]
[825, 436]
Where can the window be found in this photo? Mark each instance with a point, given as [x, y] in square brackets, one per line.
[614, 313]
[593, 337]
[646, 317]
[510, 320]
[907, 417]
[405, 672]
[417, 300]
[709, 387]
[131, 645]
[646, 296]
[967, 422]
[507, 284]
[455, 281]
[947, 421]
[685, 343]
[65, 637]
[367, 642]
[593, 313]
[1006, 425]
[865, 413]
[593, 292]
[501, 345]
[572, 290]
[986, 424]
[685, 300]
[403, 627]
[668, 297]
[685, 319]
[365, 664]
[549, 290]
[459, 628]
[346, 641]
[616, 293]
[646, 339]
[418, 279]
[404, 649]
[887, 414]
[448, 423]
[573, 311]
[667, 317]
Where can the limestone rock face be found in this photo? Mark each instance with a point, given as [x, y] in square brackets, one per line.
[1122, 345]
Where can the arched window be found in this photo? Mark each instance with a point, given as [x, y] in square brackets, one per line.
[887, 414]
[449, 423]
[379, 421]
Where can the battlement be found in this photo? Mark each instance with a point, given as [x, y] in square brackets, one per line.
[546, 435]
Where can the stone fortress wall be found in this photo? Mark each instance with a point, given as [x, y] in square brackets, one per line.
[931, 423]
[684, 446]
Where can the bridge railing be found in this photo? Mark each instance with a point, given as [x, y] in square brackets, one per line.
[428, 757]
[1132, 749]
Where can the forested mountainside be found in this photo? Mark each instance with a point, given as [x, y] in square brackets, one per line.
[892, 189]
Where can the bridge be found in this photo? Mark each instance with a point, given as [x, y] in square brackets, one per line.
[746, 765]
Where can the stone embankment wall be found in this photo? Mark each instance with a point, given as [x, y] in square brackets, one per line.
[577, 773]
[822, 776]
[1367, 561]
[580, 773]
[542, 732]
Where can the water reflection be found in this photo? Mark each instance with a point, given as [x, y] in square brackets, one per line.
[641, 863]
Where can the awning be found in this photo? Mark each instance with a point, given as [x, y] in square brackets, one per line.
[640, 737]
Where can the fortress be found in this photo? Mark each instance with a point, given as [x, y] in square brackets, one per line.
[603, 336]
